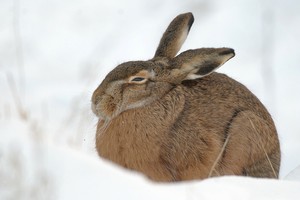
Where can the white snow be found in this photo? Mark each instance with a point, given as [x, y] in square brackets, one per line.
[54, 53]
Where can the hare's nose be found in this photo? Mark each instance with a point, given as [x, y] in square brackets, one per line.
[93, 107]
[96, 97]
[95, 100]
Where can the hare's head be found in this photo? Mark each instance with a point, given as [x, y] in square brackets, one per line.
[139, 83]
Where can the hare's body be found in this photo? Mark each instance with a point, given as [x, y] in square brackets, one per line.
[175, 119]
[166, 152]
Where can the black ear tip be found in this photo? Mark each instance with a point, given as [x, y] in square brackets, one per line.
[227, 51]
[188, 16]
[191, 21]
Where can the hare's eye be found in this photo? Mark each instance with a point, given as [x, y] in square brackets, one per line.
[138, 80]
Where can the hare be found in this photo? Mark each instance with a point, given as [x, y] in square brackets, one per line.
[174, 118]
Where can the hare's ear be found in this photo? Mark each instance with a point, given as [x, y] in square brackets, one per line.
[174, 36]
[198, 63]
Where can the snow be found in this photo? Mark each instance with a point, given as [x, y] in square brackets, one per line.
[54, 53]
[63, 173]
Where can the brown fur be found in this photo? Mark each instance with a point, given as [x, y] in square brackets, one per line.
[180, 120]
[174, 37]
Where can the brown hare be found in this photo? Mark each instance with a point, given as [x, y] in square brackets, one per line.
[174, 118]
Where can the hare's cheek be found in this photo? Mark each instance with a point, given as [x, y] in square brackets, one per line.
[136, 88]
[135, 91]
[138, 100]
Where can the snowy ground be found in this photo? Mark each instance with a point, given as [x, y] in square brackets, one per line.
[54, 53]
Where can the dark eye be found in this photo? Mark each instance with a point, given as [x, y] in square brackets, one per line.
[138, 79]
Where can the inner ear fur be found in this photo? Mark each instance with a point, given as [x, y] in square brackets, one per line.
[174, 36]
[198, 63]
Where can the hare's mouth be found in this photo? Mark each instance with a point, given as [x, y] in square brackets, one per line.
[102, 112]
[106, 107]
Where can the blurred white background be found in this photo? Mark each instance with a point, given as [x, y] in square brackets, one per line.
[54, 53]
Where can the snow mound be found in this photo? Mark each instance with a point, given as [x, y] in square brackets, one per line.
[294, 175]
[46, 171]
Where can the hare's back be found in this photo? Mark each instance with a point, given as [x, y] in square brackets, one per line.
[217, 97]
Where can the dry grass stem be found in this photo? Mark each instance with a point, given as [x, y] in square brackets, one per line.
[16, 97]
[219, 156]
[260, 143]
